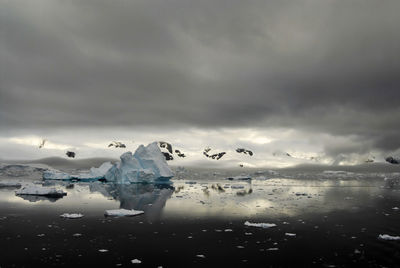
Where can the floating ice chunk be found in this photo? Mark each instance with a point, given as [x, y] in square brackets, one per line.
[200, 256]
[9, 184]
[71, 215]
[388, 237]
[272, 249]
[136, 261]
[261, 225]
[394, 208]
[123, 212]
[103, 250]
[42, 191]
[290, 234]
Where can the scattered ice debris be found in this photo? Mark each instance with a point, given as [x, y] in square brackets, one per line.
[228, 230]
[239, 178]
[290, 234]
[356, 251]
[103, 250]
[388, 237]
[5, 184]
[240, 246]
[136, 261]
[42, 191]
[77, 235]
[41, 235]
[248, 233]
[272, 249]
[71, 215]
[261, 225]
[395, 208]
[123, 212]
[200, 256]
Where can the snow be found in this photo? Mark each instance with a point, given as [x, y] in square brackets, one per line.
[71, 215]
[123, 212]
[261, 225]
[147, 164]
[38, 190]
[388, 237]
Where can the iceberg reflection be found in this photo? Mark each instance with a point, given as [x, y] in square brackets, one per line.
[151, 198]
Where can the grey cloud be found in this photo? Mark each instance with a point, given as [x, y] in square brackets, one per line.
[323, 66]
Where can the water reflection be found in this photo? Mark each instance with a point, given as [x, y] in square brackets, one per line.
[220, 198]
[151, 198]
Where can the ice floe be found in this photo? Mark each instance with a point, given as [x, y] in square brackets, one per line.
[71, 215]
[39, 190]
[388, 237]
[260, 225]
[122, 212]
[290, 234]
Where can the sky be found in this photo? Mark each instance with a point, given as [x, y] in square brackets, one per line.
[315, 79]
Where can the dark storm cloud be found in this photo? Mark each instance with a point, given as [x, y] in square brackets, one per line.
[327, 66]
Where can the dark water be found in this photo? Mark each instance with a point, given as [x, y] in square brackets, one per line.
[199, 222]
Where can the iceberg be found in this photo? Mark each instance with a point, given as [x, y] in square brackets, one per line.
[42, 191]
[147, 164]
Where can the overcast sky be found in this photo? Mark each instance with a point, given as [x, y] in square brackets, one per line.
[312, 78]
